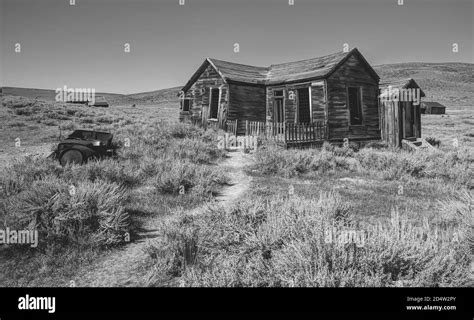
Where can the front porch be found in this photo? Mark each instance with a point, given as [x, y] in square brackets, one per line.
[283, 133]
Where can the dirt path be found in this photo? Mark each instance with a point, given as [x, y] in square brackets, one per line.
[240, 182]
[129, 265]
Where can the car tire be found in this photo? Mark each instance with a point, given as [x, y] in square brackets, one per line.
[71, 156]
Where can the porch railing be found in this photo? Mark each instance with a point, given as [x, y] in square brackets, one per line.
[231, 126]
[288, 132]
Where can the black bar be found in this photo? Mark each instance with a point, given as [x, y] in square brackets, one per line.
[353, 300]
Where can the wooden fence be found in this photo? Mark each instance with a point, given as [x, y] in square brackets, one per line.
[231, 126]
[280, 132]
[287, 132]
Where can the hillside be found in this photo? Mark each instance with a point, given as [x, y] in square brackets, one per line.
[144, 98]
[45, 94]
[448, 83]
[169, 95]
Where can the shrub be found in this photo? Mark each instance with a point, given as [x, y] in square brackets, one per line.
[17, 124]
[377, 145]
[196, 151]
[23, 172]
[174, 176]
[273, 160]
[109, 170]
[291, 242]
[92, 215]
[459, 211]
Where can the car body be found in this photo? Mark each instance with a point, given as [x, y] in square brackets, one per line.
[83, 145]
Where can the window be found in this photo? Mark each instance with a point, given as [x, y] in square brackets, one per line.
[304, 113]
[214, 103]
[355, 105]
[186, 104]
[278, 93]
[278, 109]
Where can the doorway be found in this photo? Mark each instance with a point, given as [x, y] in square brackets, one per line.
[409, 120]
[214, 103]
[304, 113]
[278, 109]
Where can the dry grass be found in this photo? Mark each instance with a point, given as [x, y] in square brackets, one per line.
[284, 241]
[267, 239]
[112, 197]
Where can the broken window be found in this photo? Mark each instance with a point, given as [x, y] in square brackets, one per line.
[186, 104]
[214, 103]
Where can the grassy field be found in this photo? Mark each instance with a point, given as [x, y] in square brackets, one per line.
[37, 124]
[330, 217]
[113, 197]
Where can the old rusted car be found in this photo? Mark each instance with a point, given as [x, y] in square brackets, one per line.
[84, 145]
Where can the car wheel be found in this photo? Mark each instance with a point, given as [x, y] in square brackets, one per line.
[71, 156]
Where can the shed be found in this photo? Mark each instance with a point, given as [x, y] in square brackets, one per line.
[99, 102]
[399, 109]
[432, 108]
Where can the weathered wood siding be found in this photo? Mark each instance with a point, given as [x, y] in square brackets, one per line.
[318, 98]
[352, 74]
[246, 102]
[200, 94]
[391, 129]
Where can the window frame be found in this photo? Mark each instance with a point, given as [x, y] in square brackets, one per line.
[183, 102]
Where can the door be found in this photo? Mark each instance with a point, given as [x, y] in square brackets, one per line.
[304, 114]
[278, 109]
[279, 116]
[278, 112]
[409, 120]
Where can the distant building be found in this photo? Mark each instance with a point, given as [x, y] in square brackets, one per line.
[99, 102]
[432, 108]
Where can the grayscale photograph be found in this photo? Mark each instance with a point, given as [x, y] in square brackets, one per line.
[237, 143]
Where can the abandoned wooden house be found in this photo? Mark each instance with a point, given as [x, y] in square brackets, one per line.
[400, 111]
[329, 98]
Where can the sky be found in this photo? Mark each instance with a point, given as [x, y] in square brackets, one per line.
[83, 46]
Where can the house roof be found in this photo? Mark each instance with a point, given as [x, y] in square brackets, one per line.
[310, 69]
[400, 84]
[320, 67]
[240, 72]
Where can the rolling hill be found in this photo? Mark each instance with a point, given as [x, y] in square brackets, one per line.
[145, 98]
[45, 94]
[449, 83]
